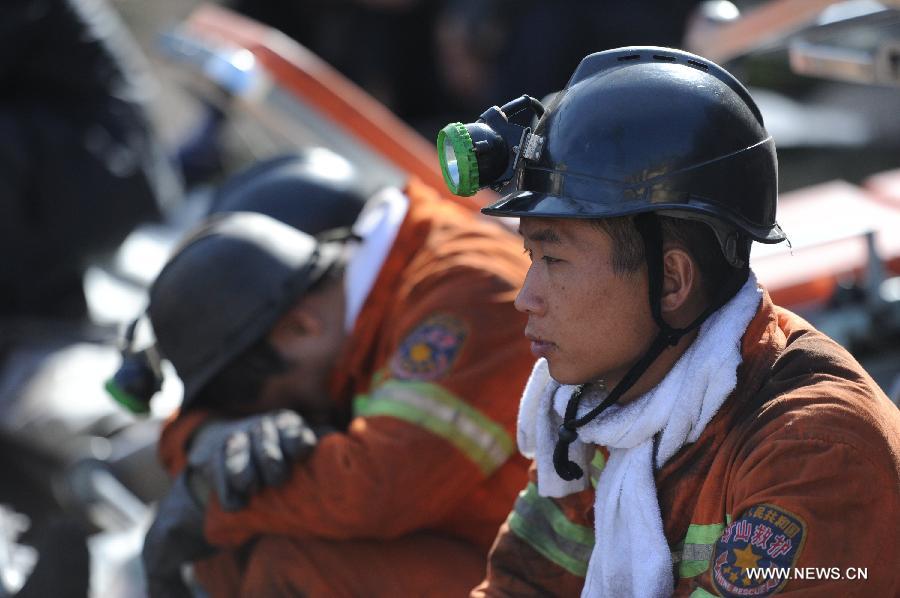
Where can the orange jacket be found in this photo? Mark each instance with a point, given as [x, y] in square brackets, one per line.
[431, 376]
[799, 469]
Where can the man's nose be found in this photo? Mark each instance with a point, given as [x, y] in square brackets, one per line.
[529, 300]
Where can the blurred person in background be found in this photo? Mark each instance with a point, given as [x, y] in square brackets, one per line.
[79, 162]
[399, 348]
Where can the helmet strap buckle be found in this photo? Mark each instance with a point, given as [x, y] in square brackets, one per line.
[520, 151]
[731, 250]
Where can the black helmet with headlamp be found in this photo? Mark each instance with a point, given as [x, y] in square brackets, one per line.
[221, 292]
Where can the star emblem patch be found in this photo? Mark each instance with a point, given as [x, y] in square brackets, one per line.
[429, 351]
[765, 537]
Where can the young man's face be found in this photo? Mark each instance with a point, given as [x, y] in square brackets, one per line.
[588, 321]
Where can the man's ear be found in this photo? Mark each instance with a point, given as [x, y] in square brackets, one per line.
[680, 277]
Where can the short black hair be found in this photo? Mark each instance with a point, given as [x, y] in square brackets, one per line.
[694, 236]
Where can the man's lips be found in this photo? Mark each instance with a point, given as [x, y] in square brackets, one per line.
[540, 347]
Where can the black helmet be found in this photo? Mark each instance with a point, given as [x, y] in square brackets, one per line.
[314, 191]
[636, 131]
[225, 288]
[647, 129]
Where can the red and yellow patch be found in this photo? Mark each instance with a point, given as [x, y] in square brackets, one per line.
[753, 548]
[430, 350]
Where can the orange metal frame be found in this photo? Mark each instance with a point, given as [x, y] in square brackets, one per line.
[331, 94]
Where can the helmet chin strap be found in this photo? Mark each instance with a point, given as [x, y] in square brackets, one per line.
[648, 226]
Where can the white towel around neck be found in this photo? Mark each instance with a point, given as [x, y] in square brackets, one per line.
[631, 556]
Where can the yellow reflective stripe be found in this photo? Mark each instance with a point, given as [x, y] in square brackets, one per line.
[704, 534]
[541, 524]
[694, 552]
[701, 593]
[596, 467]
[432, 407]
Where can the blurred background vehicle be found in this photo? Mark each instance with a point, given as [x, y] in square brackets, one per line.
[373, 81]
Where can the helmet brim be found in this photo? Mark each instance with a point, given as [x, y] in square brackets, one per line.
[546, 205]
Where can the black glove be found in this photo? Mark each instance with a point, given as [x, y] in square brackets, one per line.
[174, 540]
[238, 458]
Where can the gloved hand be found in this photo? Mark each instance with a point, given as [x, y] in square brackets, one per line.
[175, 539]
[238, 458]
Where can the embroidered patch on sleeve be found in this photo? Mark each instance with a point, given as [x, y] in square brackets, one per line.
[747, 558]
[430, 350]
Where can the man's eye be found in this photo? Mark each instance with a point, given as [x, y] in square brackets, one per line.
[550, 260]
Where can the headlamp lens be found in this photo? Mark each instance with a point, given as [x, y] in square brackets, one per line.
[459, 165]
[452, 164]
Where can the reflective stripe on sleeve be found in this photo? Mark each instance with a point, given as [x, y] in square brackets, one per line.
[541, 524]
[692, 555]
[432, 407]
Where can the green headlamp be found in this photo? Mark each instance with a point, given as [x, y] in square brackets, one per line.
[459, 164]
[138, 378]
[485, 153]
